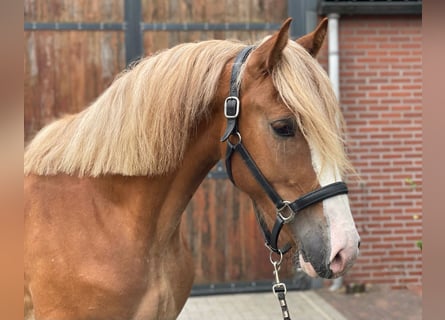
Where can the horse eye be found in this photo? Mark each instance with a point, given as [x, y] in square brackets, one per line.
[284, 128]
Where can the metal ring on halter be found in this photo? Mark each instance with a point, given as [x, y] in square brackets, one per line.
[292, 212]
[239, 139]
[277, 262]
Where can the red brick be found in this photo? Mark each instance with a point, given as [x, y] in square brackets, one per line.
[389, 45]
[387, 273]
[399, 53]
[411, 45]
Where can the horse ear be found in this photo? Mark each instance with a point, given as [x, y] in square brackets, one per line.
[313, 41]
[266, 56]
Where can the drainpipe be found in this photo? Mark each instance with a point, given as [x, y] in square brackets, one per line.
[334, 75]
[333, 52]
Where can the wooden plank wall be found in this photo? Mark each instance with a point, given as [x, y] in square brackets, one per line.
[201, 11]
[67, 70]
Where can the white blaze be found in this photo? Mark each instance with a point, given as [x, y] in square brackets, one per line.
[342, 232]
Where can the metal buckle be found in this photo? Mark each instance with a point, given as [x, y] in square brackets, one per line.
[291, 215]
[277, 287]
[229, 111]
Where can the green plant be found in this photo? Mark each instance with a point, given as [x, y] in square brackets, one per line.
[413, 185]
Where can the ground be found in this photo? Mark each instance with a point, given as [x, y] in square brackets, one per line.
[376, 303]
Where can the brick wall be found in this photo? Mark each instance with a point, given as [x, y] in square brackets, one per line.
[381, 95]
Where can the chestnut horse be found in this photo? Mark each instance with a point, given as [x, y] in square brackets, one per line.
[105, 188]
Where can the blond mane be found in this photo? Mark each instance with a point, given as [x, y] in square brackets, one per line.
[141, 124]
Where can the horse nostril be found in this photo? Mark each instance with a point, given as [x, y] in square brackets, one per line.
[358, 244]
[337, 264]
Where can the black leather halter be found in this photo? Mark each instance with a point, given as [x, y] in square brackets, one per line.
[232, 107]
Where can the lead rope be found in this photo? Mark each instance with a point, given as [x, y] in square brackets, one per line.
[279, 288]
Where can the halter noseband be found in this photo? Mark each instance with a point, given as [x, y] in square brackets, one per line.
[232, 107]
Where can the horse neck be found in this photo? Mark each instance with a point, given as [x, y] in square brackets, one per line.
[158, 202]
[204, 149]
[202, 154]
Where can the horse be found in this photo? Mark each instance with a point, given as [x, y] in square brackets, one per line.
[105, 188]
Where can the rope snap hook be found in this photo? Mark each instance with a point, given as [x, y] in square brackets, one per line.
[279, 288]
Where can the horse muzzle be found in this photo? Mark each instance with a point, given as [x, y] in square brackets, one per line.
[322, 251]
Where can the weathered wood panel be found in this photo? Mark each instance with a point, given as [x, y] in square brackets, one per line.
[217, 11]
[65, 71]
[201, 11]
[74, 11]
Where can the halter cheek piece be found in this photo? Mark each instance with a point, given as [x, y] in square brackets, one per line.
[231, 111]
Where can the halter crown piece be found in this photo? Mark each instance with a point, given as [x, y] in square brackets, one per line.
[232, 106]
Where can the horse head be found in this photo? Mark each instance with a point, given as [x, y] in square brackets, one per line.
[287, 122]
